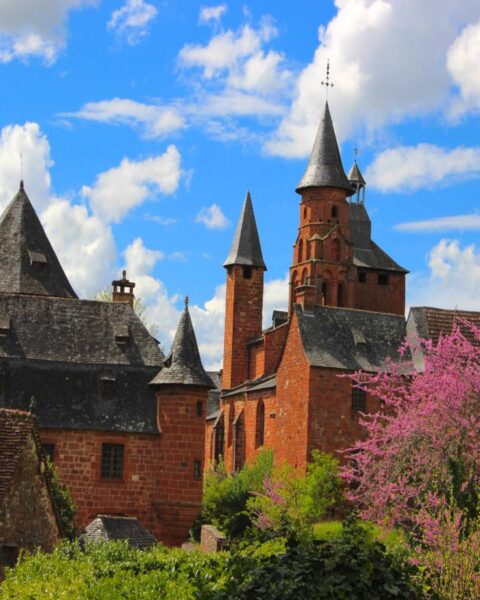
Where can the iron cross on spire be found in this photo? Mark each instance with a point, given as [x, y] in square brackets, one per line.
[327, 83]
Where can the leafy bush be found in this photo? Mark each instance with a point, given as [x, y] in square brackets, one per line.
[225, 496]
[291, 501]
[63, 501]
[349, 566]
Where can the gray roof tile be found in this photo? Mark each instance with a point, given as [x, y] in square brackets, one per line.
[246, 249]
[109, 528]
[28, 263]
[325, 167]
[183, 366]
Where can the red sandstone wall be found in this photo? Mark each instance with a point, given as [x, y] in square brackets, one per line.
[332, 424]
[256, 362]
[291, 418]
[382, 298]
[274, 344]
[243, 322]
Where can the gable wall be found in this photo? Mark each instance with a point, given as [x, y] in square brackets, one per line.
[382, 298]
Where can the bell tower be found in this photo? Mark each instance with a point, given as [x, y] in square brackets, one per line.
[322, 269]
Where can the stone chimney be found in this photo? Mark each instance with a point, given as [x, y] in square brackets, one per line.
[123, 290]
[306, 296]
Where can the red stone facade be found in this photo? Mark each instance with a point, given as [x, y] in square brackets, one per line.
[161, 480]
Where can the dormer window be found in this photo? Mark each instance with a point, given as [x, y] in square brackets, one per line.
[122, 335]
[38, 260]
[4, 327]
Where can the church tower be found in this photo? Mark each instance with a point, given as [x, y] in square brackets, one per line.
[244, 297]
[322, 269]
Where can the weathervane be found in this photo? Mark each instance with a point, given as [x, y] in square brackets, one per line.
[186, 301]
[357, 152]
[327, 83]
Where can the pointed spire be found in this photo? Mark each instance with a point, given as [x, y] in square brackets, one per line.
[28, 263]
[325, 167]
[183, 366]
[246, 249]
[355, 176]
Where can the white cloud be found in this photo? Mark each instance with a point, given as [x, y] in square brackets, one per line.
[131, 21]
[212, 217]
[409, 168]
[462, 64]
[33, 28]
[154, 121]
[212, 13]
[469, 222]
[453, 281]
[166, 221]
[118, 190]
[84, 244]
[386, 65]
[29, 141]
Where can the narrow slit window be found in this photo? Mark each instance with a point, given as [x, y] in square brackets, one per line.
[197, 469]
[199, 408]
[334, 212]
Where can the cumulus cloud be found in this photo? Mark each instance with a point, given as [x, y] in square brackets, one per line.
[469, 222]
[131, 21]
[453, 280]
[34, 29]
[118, 190]
[212, 217]
[462, 62]
[370, 90]
[210, 14]
[409, 168]
[152, 120]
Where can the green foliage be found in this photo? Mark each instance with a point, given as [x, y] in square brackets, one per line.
[292, 502]
[225, 496]
[63, 501]
[349, 566]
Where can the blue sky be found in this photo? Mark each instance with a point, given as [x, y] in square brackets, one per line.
[142, 123]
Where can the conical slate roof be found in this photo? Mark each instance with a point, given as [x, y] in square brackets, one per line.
[28, 263]
[325, 167]
[246, 249]
[355, 176]
[183, 366]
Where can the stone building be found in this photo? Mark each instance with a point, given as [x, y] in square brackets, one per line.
[282, 386]
[111, 409]
[28, 517]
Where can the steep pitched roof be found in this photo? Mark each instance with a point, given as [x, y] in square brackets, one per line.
[183, 365]
[28, 263]
[325, 167]
[344, 338]
[431, 323]
[15, 427]
[366, 253]
[355, 176]
[106, 528]
[246, 249]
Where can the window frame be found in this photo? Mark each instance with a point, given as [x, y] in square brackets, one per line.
[107, 466]
[358, 400]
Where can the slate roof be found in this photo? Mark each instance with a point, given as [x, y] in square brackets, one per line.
[366, 253]
[109, 528]
[246, 249]
[28, 263]
[183, 365]
[355, 175]
[213, 399]
[431, 323]
[325, 167]
[343, 338]
[15, 428]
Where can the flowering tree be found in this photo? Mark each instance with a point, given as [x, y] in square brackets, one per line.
[419, 467]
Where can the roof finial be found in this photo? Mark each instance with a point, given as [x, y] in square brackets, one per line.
[186, 301]
[21, 171]
[357, 152]
[124, 274]
[327, 83]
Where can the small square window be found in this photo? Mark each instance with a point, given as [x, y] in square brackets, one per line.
[112, 461]
[382, 279]
[197, 469]
[362, 277]
[49, 451]
[359, 402]
[247, 272]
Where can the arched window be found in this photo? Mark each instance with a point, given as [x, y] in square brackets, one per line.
[300, 251]
[308, 245]
[294, 280]
[304, 212]
[260, 424]
[336, 251]
[239, 442]
[219, 439]
[340, 295]
[334, 212]
[304, 277]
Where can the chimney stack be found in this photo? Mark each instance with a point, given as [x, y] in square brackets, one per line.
[123, 290]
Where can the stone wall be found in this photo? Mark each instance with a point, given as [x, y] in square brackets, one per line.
[211, 539]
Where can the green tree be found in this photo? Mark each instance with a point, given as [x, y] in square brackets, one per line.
[62, 500]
